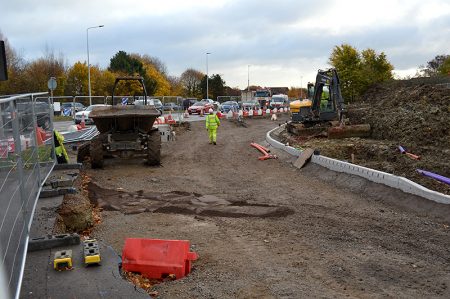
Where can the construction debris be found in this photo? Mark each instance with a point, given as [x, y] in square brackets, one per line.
[304, 158]
[263, 150]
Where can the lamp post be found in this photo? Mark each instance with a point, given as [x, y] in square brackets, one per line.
[248, 81]
[89, 66]
[207, 76]
[301, 87]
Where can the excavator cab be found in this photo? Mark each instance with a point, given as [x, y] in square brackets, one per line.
[324, 103]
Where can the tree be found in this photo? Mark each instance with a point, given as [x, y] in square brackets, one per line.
[15, 65]
[216, 86]
[190, 80]
[433, 66]
[38, 72]
[159, 86]
[77, 80]
[444, 69]
[122, 62]
[232, 91]
[357, 71]
[176, 88]
[106, 83]
[297, 92]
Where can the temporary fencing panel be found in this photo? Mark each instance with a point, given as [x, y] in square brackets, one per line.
[26, 159]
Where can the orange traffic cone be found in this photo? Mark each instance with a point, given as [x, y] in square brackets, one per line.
[39, 139]
[83, 123]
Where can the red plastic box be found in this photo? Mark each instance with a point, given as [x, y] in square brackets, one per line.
[155, 258]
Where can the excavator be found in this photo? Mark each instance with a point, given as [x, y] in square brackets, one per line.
[323, 112]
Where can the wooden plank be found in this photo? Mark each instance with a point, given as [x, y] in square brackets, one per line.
[304, 158]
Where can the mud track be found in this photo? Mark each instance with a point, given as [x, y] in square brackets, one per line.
[337, 243]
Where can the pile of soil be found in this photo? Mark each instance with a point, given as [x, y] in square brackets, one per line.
[412, 113]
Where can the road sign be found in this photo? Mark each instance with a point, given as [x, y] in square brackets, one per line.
[52, 83]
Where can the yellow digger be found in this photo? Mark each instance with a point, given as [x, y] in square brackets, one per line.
[323, 113]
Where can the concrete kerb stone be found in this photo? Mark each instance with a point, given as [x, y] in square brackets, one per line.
[373, 175]
[50, 241]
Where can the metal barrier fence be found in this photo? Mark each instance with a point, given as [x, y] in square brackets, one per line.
[26, 160]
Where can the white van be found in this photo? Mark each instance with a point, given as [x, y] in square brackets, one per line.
[278, 101]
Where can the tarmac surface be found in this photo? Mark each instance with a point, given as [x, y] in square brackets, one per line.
[41, 280]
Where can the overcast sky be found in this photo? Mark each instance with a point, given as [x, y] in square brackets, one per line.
[283, 41]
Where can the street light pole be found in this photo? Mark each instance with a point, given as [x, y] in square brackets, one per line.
[248, 81]
[207, 76]
[89, 66]
[301, 87]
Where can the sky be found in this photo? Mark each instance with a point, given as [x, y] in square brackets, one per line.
[264, 42]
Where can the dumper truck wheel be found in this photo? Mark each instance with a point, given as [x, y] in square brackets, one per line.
[96, 151]
[154, 148]
[83, 152]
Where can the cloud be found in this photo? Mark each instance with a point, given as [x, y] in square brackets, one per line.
[282, 40]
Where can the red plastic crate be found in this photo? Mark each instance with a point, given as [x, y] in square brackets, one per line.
[156, 258]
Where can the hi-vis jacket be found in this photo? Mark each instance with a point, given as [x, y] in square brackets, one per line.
[212, 121]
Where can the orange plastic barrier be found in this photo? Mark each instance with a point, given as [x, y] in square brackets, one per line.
[156, 258]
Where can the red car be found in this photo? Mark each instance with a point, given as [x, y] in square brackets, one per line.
[199, 107]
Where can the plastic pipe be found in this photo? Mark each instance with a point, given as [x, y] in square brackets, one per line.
[435, 176]
[412, 156]
[263, 151]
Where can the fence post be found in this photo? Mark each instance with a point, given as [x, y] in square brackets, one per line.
[18, 151]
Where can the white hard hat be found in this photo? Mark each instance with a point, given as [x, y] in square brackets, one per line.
[210, 111]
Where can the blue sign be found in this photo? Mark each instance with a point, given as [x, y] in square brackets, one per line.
[67, 112]
[124, 101]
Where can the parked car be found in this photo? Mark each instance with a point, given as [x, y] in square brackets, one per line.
[86, 112]
[229, 105]
[70, 108]
[25, 115]
[152, 102]
[252, 104]
[171, 107]
[200, 107]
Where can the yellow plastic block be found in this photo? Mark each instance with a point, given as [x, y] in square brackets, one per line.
[92, 259]
[63, 260]
[91, 252]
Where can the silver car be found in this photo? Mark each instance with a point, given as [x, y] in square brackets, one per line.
[85, 113]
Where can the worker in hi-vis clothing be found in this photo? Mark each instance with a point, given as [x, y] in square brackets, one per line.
[212, 122]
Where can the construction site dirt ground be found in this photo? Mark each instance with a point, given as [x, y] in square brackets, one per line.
[332, 235]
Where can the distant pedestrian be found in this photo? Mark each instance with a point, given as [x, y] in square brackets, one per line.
[212, 123]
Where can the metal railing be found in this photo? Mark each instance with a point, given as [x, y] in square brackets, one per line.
[26, 159]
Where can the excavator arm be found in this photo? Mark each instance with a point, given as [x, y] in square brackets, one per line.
[330, 79]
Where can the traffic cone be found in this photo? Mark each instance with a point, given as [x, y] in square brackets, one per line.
[201, 112]
[83, 123]
[39, 139]
[186, 114]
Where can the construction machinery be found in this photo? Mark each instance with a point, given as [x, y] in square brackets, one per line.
[125, 130]
[323, 112]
